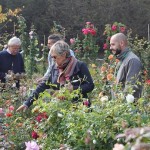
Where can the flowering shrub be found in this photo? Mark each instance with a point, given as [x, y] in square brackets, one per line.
[87, 46]
[135, 139]
[111, 30]
[141, 47]
[57, 123]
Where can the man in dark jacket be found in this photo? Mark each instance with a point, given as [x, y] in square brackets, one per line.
[11, 60]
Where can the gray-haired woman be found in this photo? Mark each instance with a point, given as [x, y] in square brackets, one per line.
[65, 69]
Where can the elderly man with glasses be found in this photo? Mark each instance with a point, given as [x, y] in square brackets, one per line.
[11, 60]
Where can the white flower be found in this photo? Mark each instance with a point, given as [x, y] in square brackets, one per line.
[94, 141]
[130, 98]
[14, 85]
[59, 115]
[31, 33]
[104, 98]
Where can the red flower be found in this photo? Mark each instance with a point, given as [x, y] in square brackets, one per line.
[148, 82]
[85, 31]
[38, 118]
[114, 28]
[9, 114]
[122, 29]
[105, 46]
[93, 31]
[34, 135]
[41, 116]
[86, 103]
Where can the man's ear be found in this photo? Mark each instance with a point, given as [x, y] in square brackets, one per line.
[122, 44]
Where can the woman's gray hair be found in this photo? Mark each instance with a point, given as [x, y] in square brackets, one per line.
[14, 41]
[60, 47]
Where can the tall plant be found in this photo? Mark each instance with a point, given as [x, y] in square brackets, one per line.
[23, 35]
[33, 52]
[87, 46]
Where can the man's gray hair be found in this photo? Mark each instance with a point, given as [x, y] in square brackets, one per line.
[60, 47]
[14, 41]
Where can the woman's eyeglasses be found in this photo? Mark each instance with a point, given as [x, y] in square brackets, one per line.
[54, 57]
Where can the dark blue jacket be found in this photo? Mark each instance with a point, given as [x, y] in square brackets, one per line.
[81, 71]
[10, 62]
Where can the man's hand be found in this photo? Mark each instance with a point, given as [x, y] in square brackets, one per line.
[22, 108]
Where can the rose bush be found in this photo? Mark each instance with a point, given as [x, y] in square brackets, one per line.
[54, 122]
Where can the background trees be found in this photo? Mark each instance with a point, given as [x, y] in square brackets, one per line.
[73, 14]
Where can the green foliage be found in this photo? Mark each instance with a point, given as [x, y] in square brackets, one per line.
[57, 28]
[73, 125]
[33, 52]
[80, 127]
[142, 48]
[23, 35]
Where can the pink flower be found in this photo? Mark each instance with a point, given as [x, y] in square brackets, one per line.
[118, 147]
[76, 51]
[31, 145]
[122, 29]
[72, 41]
[88, 23]
[67, 78]
[1, 111]
[34, 135]
[105, 46]
[85, 31]
[11, 108]
[104, 33]
[92, 26]
[31, 34]
[114, 28]
[108, 38]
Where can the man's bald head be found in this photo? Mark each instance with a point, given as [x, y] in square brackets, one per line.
[118, 43]
[119, 37]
